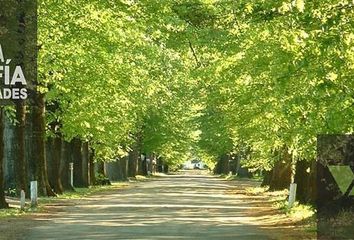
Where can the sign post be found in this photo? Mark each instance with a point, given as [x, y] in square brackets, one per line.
[71, 168]
[34, 193]
[22, 200]
[292, 194]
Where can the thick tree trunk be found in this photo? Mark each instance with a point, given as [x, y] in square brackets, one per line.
[92, 167]
[3, 203]
[56, 151]
[101, 168]
[77, 160]
[44, 188]
[313, 187]
[235, 163]
[124, 164]
[302, 179]
[267, 178]
[144, 166]
[20, 162]
[85, 164]
[222, 166]
[133, 162]
[64, 168]
[281, 172]
[166, 168]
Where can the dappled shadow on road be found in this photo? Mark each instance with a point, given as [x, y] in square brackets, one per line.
[171, 207]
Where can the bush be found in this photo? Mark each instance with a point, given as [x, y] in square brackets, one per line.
[102, 180]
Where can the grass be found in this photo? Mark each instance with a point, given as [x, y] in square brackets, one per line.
[79, 193]
[11, 212]
[231, 177]
[299, 213]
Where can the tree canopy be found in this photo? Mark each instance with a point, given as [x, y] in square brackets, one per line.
[198, 77]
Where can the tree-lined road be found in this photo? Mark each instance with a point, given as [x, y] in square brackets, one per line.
[170, 207]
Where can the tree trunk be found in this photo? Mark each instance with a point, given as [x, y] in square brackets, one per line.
[77, 160]
[222, 166]
[235, 163]
[101, 168]
[281, 172]
[3, 203]
[44, 188]
[92, 167]
[56, 152]
[64, 168]
[133, 162]
[85, 164]
[305, 179]
[124, 164]
[20, 163]
[267, 178]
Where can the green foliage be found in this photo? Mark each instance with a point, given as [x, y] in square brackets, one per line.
[101, 179]
[199, 77]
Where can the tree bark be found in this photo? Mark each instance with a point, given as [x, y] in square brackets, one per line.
[20, 162]
[85, 164]
[92, 176]
[222, 166]
[3, 203]
[64, 168]
[281, 172]
[124, 164]
[77, 160]
[302, 179]
[56, 152]
[267, 178]
[133, 161]
[101, 168]
[39, 157]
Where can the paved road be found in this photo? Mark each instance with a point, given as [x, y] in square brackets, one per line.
[170, 207]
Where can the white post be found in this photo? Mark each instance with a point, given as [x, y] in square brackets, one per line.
[71, 167]
[22, 200]
[292, 194]
[34, 193]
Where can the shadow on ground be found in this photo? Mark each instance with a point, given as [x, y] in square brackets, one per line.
[170, 207]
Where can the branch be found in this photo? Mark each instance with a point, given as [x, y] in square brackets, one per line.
[194, 54]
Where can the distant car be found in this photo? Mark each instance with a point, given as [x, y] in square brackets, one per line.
[194, 164]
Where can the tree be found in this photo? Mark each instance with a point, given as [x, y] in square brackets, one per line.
[3, 203]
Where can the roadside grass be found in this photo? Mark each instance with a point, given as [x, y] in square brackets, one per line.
[79, 193]
[300, 214]
[15, 212]
[231, 177]
[11, 212]
[83, 192]
[303, 215]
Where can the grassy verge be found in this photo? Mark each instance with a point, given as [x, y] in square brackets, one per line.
[83, 192]
[231, 177]
[79, 193]
[301, 214]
